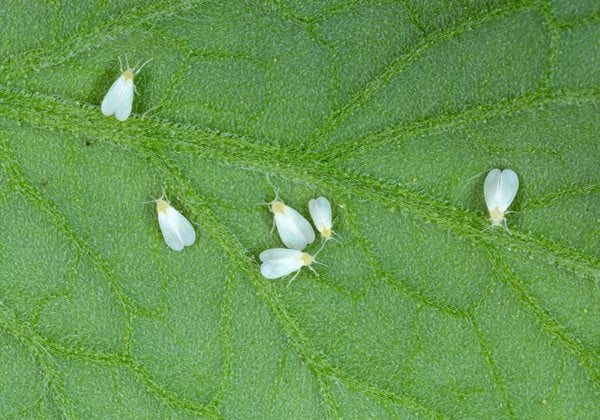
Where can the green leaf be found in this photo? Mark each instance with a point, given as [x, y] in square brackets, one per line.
[395, 111]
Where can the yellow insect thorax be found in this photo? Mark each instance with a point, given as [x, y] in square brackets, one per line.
[128, 74]
[307, 259]
[277, 206]
[326, 233]
[496, 216]
[162, 205]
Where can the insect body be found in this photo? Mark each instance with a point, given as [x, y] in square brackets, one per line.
[499, 190]
[119, 99]
[279, 262]
[293, 228]
[320, 211]
[177, 231]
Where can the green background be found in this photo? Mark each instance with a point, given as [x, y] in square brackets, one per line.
[395, 111]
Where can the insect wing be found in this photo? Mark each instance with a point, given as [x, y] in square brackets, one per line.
[279, 253]
[304, 226]
[294, 229]
[185, 230]
[169, 229]
[280, 262]
[112, 97]
[507, 188]
[320, 211]
[490, 189]
[125, 103]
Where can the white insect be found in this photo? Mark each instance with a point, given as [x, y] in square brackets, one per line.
[320, 211]
[119, 99]
[279, 262]
[176, 229]
[294, 230]
[499, 189]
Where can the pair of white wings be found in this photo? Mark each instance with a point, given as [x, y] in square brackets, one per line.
[119, 99]
[279, 262]
[320, 212]
[500, 189]
[177, 231]
[294, 229]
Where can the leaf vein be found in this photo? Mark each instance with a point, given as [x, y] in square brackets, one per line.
[377, 83]
[314, 358]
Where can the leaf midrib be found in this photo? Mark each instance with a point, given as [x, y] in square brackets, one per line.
[192, 202]
[40, 111]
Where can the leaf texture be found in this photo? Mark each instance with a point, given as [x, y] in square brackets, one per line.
[395, 111]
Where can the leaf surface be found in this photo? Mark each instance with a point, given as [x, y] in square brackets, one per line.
[395, 111]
